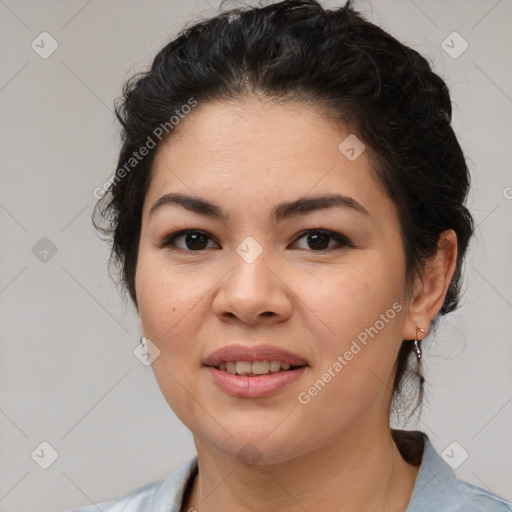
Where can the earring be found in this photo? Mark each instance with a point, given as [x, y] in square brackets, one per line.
[143, 341]
[417, 347]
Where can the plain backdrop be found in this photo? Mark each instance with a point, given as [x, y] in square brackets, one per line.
[68, 375]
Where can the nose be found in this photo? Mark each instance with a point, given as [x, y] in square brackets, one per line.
[253, 292]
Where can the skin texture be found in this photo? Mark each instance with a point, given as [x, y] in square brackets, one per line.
[336, 452]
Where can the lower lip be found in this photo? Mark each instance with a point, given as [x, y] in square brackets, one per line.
[254, 387]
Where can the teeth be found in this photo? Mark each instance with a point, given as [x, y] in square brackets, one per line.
[255, 368]
[260, 367]
[243, 367]
[275, 366]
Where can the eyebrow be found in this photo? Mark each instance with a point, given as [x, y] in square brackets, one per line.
[282, 211]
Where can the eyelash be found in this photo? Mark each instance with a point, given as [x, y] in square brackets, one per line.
[340, 239]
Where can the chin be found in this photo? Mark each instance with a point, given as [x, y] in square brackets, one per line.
[257, 448]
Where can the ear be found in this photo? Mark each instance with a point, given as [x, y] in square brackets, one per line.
[431, 286]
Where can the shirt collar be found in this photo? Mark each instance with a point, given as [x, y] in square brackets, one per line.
[434, 481]
[435, 478]
[170, 495]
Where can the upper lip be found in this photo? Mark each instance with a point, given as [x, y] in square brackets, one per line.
[264, 352]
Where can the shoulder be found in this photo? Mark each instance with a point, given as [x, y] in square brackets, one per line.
[438, 488]
[155, 496]
[136, 500]
[470, 498]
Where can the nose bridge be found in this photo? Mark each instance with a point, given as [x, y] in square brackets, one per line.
[251, 273]
[250, 250]
[251, 288]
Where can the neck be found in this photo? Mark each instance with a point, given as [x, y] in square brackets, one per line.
[358, 471]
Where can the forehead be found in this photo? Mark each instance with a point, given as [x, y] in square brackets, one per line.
[259, 153]
[254, 128]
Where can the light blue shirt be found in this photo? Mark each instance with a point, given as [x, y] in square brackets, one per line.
[436, 489]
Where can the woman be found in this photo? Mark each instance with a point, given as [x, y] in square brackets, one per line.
[288, 215]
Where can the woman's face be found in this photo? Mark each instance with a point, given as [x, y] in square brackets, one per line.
[247, 277]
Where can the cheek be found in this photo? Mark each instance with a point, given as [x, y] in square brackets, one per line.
[166, 296]
[166, 309]
[355, 364]
[356, 315]
[349, 298]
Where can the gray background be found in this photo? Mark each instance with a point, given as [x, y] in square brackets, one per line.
[68, 375]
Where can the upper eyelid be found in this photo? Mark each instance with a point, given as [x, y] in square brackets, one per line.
[182, 232]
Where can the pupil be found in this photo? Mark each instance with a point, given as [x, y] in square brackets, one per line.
[318, 240]
[193, 240]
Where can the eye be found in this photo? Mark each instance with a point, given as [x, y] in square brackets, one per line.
[194, 240]
[319, 239]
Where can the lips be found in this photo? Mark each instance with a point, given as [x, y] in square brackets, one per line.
[240, 352]
[284, 368]
[260, 386]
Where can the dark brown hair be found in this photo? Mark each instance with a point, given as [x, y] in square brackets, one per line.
[333, 59]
